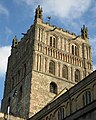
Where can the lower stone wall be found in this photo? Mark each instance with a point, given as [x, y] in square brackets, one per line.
[86, 113]
[71, 102]
[9, 117]
[40, 90]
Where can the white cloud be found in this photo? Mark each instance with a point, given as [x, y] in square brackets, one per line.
[60, 8]
[66, 9]
[28, 2]
[4, 10]
[93, 9]
[4, 53]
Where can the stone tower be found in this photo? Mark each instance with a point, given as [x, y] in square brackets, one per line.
[44, 62]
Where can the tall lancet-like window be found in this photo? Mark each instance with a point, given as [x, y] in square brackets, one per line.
[75, 50]
[53, 87]
[53, 42]
[77, 75]
[65, 71]
[61, 113]
[52, 67]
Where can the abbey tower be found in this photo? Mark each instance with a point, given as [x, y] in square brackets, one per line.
[44, 62]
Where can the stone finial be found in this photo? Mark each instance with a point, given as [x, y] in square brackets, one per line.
[14, 42]
[84, 32]
[38, 13]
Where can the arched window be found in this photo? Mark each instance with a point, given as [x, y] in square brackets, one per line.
[51, 118]
[9, 101]
[53, 87]
[77, 75]
[47, 118]
[65, 72]
[20, 94]
[76, 51]
[52, 41]
[73, 49]
[61, 114]
[40, 14]
[52, 67]
[8, 105]
[86, 98]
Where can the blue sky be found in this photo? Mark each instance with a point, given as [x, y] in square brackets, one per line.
[16, 16]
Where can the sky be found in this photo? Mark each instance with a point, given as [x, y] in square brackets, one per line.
[16, 17]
